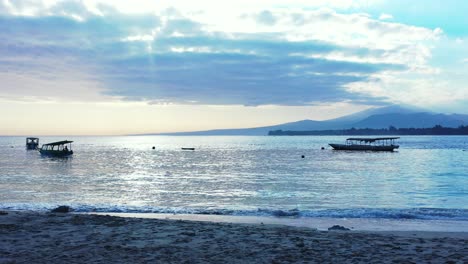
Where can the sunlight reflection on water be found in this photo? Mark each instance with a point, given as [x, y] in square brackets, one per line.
[238, 173]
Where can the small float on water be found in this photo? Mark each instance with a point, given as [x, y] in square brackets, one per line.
[32, 143]
[57, 149]
[370, 144]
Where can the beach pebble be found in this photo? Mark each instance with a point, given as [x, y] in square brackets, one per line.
[61, 209]
[338, 227]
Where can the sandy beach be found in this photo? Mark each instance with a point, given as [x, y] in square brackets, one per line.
[34, 237]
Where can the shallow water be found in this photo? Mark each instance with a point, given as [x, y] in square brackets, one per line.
[427, 178]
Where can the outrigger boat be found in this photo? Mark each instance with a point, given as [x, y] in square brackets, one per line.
[371, 144]
[57, 149]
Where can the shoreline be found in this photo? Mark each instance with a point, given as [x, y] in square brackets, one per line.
[97, 238]
[453, 228]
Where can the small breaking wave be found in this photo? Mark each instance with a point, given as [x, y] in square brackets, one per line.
[376, 213]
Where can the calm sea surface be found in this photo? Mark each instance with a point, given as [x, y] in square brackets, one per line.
[426, 179]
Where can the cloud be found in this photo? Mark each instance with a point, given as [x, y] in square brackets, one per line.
[266, 17]
[269, 56]
[384, 16]
[237, 79]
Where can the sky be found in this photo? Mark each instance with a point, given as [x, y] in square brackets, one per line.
[102, 67]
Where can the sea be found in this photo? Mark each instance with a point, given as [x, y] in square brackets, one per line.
[284, 176]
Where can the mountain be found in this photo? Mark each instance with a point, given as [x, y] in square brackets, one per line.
[383, 117]
[395, 109]
[298, 125]
[411, 120]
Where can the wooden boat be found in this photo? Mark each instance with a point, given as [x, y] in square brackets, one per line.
[57, 149]
[369, 144]
[32, 143]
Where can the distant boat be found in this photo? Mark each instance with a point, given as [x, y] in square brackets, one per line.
[188, 148]
[57, 149]
[371, 144]
[32, 143]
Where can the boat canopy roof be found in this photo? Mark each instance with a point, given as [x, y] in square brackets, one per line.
[58, 143]
[372, 139]
[32, 138]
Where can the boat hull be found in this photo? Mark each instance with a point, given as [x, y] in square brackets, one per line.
[56, 153]
[31, 146]
[364, 147]
[188, 148]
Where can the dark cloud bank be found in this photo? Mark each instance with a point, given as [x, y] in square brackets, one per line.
[183, 63]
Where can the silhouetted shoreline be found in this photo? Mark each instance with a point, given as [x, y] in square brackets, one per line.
[436, 130]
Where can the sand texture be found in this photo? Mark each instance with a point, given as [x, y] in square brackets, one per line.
[31, 237]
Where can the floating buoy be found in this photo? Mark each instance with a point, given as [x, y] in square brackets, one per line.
[323, 148]
[302, 156]
[154, 147]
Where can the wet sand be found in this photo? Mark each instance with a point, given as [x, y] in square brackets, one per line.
[452, 228]
[33, 237]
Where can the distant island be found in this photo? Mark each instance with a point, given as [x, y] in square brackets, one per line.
[436, 130]
[376, 119]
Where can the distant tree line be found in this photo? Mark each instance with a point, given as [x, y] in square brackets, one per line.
[436, 130]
